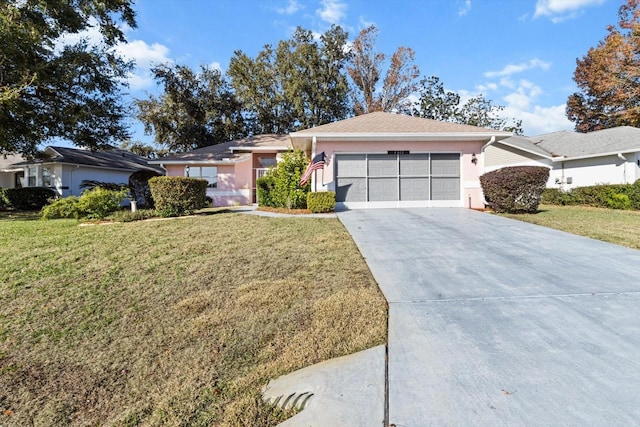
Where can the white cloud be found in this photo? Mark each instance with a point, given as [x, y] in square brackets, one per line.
[216, 66]
[292, 7]
[519, 68]
[332, 11]
[465, 8]
[144, 56]
[562, 10]
[538, 119]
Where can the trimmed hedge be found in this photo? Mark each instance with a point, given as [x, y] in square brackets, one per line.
[265, 186]
[322, 201]
[516, 189]
[29, 198]
[93, 204]
[178, 195]
[612, 196]
[4, 203]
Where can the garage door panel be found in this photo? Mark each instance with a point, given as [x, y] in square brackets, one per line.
[383, 189]
[445, 164]
[414, 189]
[352, 165]
[445, 188]
[383, 165]
[414, 164]
[351, 190]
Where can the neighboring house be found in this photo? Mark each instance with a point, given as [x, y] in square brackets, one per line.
[608, 156]
[64, 169]
[10, 176]
[373, 160]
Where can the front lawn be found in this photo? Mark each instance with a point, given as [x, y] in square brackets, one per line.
[173, 322]
[615, 226]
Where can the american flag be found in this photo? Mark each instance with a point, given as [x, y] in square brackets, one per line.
[316, 163]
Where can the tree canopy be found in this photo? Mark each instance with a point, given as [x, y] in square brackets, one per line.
[50, 88]
[608, 77]
[195, 110]
[297, 84]
[437, 103]
[365, 68]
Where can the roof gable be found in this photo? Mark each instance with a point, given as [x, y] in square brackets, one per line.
[390, 123]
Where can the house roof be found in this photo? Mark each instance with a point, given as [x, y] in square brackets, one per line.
[230, 152]
[622, 139]
[389, 127]
[108, 159]
[565, 145]
[8, 160]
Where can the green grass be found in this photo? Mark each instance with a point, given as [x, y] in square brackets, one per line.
[615, 226]
[173, 322]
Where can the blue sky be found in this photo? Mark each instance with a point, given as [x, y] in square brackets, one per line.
[518, 53]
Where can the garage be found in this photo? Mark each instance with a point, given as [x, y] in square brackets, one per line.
[397, 178]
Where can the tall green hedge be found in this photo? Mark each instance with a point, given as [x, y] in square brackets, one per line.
[516, 189]
[178, 195]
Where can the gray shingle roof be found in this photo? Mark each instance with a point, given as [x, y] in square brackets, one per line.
[570, 144]
[110, 159]
[563, 144]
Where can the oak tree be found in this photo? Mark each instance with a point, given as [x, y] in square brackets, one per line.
[297, 84]
[54, 87]
[608, 77]
[196, 109]
[437, 103]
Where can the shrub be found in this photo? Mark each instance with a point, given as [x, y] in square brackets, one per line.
[4, 203]
[66, 207]
[619, 201]
[265, 186]
[322, 201]
[139, 187]
[556, 196]
[99, 202]
[287, 192]
[90, 184]
[515, 189]
[178, 195]
[634, 195]
[29, 198]
[129, 216]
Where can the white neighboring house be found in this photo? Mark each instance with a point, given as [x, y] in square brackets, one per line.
[9, 175]
[64, 169]
[608, 156]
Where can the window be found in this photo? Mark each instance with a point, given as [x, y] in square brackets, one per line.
[210, 173]
[46, 177]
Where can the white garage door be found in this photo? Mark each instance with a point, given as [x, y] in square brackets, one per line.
[397, 179]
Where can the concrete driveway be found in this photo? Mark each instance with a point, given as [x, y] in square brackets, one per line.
[495, 322]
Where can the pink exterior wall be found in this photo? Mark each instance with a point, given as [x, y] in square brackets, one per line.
[234, 182]
[470, 172]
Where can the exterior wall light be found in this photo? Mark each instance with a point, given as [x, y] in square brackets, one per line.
[186, 171]
[474, 159]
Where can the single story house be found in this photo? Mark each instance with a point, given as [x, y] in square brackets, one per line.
[10, 175]
[64, 169]
[373, 160]
[608, 156]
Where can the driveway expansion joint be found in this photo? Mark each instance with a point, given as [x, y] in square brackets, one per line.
[516, 297]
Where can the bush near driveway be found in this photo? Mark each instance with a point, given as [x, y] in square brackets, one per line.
[280, 188]
[515, 189]
[321, 201]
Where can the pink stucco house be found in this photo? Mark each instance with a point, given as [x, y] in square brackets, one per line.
[373, 160]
